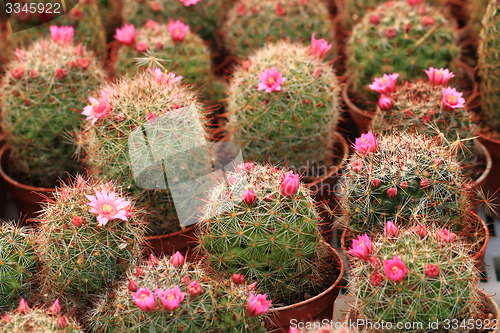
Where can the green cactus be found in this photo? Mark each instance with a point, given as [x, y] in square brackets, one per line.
[434, 279]
[489, 65]
[250, 24]
[295, 123]
[174, 120]
[88, 237]
[17, 262]
[476, 10]
[84, 18]
[267, 236]
[41, 93]
[406, 175]
[397, 37]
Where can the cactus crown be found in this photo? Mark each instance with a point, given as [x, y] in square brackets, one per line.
[252, 23]
[402, 176]
[489, 62]
[398, 37]
[41, 90]
[89, 234]
[293, 123]
[414, 277]
[264, 225]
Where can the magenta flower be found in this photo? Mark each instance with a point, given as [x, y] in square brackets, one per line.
[258, 305]
[55, 308]
[125, 34]
[249, 197]
[98, 108]
[414, 2]
[452, 99]
[194, 289]
[23, 307]
[385, 102]
[431, 270]
[108, 207]
[290, 184]
[392, 192]
[238, 279]
[319, 47]
[178, 30]
[188, 3]
[62, 35]
[439, 77]
[445, 235]
[395, 269]
[164, 78]
[270, 80]
[177, 260]
[145, 299]
[171, 298]
[141, 47]
[362, 248]
[245, 166]
[391, 230]
[385, 84]
[152, 25]
[367, 143]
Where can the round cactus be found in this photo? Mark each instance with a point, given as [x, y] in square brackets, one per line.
[264, 225]
[396, 177]
[41, 91]
[417, 276]
[398, 37]
[89, 235]
[250, 24]
[283, 105]
[17, 262]
[489, 64]
[476, 10]
[26, 320]
[169, 113]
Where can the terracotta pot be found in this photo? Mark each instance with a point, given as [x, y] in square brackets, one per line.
[362, 118]
[316, 308]
[27, 198]
[492, 182]
[474, 226]
[183, 241]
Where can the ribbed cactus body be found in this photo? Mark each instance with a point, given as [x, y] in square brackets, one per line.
[39, 321]
[295, 124]
[476, 10]
[489, 65]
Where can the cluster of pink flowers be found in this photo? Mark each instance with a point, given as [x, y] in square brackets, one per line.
[164, 78]
[367, 143]
[270, 80]
[125, 34]
[178, 30]
[99, 108]
[439, 77]
[385, 85]
[170, 299]
[318, 47]
[108, 207]
[63, 35]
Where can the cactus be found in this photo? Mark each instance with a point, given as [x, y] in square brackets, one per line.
[397, 177]
[250, 24]
[293, 120]
[398, 37]
[203, 305]
[174, 120]
[270, 236]
[476, 10]
[314, 328]
[489, 64]
[17, 262]
[88, 236]
[41, 90]
[419, 275]
[26, 320]
[84, 18]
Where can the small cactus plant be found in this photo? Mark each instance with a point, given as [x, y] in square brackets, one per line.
[89, 235]
[264, 224]
[398, 37]
[173, 296]
[489, 64]
[397, 177]
[30, 320]
[17, 262]
[283, 105]
[41, 91]
[417, 276]
[250, 24]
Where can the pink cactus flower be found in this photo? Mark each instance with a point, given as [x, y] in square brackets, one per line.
[421, 231]
[62, 35]
[362, 248]
[452, 99]
[23, 307]
[17, 73]
[424, 183]
[188, 3]
[248, 166]
[376, 182]
[77, 221]
[431, 270]
[164, 78]
[390, 33]
[145, 299]
[290, 184]
[194, 289]
[270, 80]
[177, 260]
[132, 286]
[357, 166]
[126, 34]
[152, 25]
[108, 207]
[178, 30]
[439, 77]
[62, 323]
[445, 235]
[374, 19]
[428, 21]
[61, 73]
[238, 279]
[257, 305]
[83, 63]
[252, 286]
[280, 11]
[385, 84]
[319, 47]
[395, 269]
[98, 108]
[376, 279]
[20, 54]
[249, 197]
[141, 47]
[153, 259]
[367, 143]
[294, 330]
[391, 230]
[55, 308]
[414, 2]
[392, 192]
[171, 298]
[385, 103]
